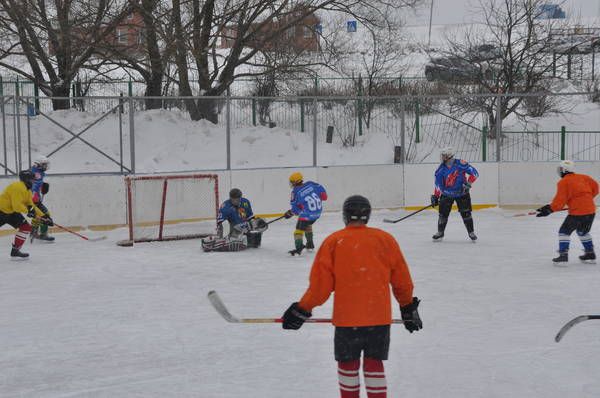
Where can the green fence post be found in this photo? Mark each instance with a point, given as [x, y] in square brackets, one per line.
[36, 94]
[417, 123]
[254, 112]
[484, 133]
[563, 139]
[17, 86]
[130, 88]
[1, 87]
[301, 115]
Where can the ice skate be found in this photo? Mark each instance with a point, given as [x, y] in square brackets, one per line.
[438, 236]
[297, 251]
[473, 236]
[16, 254]
[562, 259]
[588, 258]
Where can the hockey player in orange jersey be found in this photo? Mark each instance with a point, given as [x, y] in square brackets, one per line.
[577, 192]
[359, 264]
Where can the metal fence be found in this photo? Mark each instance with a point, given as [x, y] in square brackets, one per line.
[116, 134]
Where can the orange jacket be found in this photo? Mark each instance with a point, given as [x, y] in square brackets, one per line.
[359, 263]
[577, 191]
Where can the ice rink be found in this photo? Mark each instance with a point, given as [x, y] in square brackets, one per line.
[90, 319]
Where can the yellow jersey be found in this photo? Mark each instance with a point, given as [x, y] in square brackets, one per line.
[16, 198]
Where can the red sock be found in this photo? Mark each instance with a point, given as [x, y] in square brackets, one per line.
[21, 235]
[374, 378]
[349, 379]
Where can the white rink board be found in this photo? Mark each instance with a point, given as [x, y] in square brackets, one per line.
[100, 200]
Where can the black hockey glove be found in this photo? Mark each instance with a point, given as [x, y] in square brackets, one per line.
[45, 188]
[435, 200]
[294, 317]
[466, 187]
[31, 212]
[288, 214]
[544, 211]
[410, 316]
[46, 220]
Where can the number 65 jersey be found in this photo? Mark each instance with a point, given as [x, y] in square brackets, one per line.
[307, 200]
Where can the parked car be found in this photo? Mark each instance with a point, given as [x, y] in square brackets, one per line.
[476, 64]
[456, 70]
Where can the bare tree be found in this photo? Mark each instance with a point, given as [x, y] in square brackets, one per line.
[250, 27]
[510, 52]
[57, 38]
[149, 54]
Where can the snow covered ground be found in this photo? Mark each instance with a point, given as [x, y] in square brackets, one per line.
[83, 319]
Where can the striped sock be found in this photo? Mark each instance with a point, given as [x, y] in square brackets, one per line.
[374, 378]
[21, 235]
[564, 241]
[348, 378]
[586, 241]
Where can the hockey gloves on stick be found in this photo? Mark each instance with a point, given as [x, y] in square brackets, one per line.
[288, 214]
[31, 212]
[45, 188]
[46, 220]
[435, 200]
[410, 316]
[544, 211]
[294, 317]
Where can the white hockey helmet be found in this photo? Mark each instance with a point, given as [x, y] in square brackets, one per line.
[447, 153]
[42, 162]
[565, 167]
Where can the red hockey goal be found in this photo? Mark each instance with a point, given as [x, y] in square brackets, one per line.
[171, 207]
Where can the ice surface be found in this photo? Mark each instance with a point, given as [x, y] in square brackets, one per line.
[82, 319]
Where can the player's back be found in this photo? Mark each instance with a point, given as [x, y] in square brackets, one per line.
[365, 262]
[309, 197]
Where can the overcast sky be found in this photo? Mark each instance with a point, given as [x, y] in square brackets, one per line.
[458, 11]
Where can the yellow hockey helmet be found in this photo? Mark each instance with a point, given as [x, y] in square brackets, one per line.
[296, 178]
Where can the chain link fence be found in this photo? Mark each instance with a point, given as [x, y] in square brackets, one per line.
[119, 134]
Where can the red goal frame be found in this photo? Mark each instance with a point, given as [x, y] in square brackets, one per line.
[161, 222]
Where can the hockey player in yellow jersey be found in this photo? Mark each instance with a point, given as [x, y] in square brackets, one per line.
[16, 200]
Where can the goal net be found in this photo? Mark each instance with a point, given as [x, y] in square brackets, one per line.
[171, 207]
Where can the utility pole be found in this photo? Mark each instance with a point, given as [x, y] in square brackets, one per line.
[430, 19]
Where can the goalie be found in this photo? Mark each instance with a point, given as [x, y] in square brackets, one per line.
[244, 229]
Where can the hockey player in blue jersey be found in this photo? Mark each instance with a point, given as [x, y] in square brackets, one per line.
[452, 184]
[39, 188]
[244, 229]
[307, 203]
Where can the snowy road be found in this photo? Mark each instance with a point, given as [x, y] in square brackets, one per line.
[83, 319]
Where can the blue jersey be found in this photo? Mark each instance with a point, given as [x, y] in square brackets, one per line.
[235, 214]
[38, 179]
[307, 200]
[449, 181]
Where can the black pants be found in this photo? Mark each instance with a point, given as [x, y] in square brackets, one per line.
[464, 207]
[581, 224]
[350, 342]
[13, 219]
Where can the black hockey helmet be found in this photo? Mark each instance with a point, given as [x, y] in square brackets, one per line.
[27, 177]
[235, 195]
[356, 208]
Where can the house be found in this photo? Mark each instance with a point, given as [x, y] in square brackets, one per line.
[302, 35]
[128, 36]
[550, 11]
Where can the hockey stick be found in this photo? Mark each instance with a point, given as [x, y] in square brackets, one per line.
[218, 304]
[277, 219]
[533, 213]
[81, 236]
[578, 319]
[405, 217]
